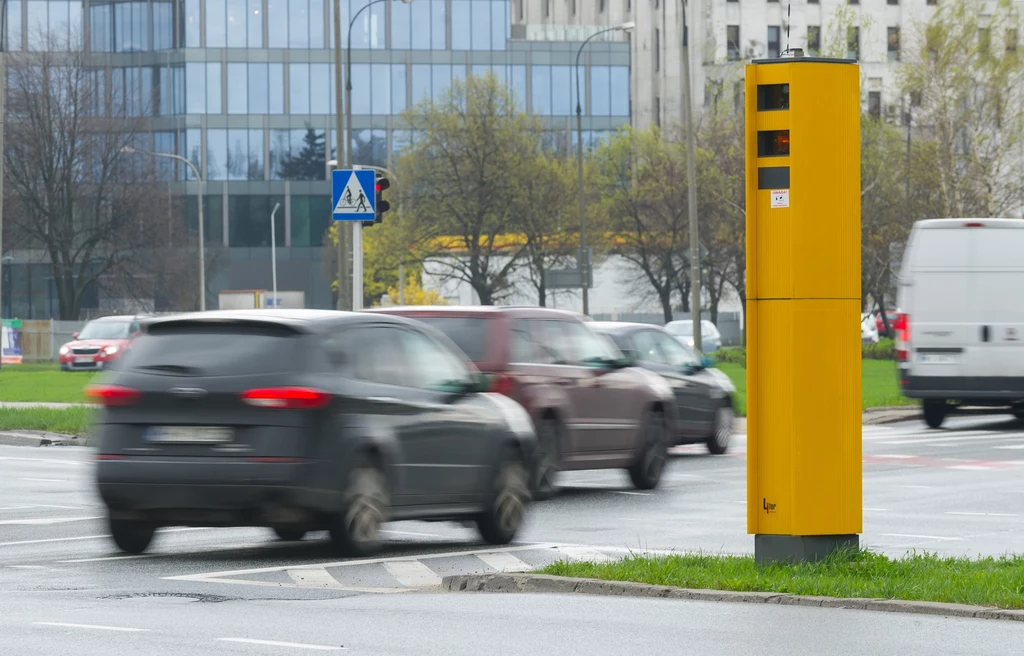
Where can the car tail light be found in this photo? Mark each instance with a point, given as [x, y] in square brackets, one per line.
[974, 224]
[503, 384]
[902, 328]
[286, 398]
[112, 395]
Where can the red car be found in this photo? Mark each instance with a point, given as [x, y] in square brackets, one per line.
[890, 316]
[591, 408]
[100, 343]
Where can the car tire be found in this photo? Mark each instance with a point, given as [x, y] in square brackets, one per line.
[721, 431]
[290, 534]
[544, 474]
[355, 531]
[506, 505]
[935, 412]
[132, 536]
[646, 472]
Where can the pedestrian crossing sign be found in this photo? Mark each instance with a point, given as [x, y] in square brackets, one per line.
[354, 195]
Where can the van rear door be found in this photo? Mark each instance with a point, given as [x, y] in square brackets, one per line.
[935, 295]
[996, 336]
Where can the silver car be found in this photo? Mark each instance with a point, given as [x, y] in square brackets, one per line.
[711, 339]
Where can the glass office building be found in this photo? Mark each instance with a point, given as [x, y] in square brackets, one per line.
[245, 90]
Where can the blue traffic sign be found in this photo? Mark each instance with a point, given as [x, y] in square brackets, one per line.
[354, 195]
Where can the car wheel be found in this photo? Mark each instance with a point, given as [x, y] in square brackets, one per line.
[131, 536]
[646, 472]
[506, 507]
[721, 434]
[290, 534]
[355, 531]
[935, 411]
[543, 481]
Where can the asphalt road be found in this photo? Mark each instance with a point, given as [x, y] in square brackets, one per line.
[955, 491]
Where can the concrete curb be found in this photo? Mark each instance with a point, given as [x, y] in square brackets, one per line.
[878, 416]
[29, 438]
[538, 583]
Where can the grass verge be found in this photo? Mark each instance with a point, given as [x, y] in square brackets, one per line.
[916, 577]
[68, 421]
[42, 384]
[878, 380]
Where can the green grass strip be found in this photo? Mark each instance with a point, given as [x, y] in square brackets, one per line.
[67, 421]
[916, 577]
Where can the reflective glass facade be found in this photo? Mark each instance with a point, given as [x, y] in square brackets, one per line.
[245, 89]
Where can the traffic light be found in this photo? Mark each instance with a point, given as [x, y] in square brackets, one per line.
[381, 204]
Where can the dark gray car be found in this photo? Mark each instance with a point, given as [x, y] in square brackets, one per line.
[704, 396]
[304, 420]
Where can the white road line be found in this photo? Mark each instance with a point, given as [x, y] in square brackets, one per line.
[585, 553]
[275, 643]
[313, 578]
[876, 509]
[97, 627]
[27, 566]
[969, 467]
[105, 558]
[980, 514]
[42, 521]
[637, 494]
[412, 573]
[891, 456]
[417, 535]
[78, 463]
[93, 537]
[1010, 446]
[921, 537]
[46, 480]
[917, 487]
[505, 562]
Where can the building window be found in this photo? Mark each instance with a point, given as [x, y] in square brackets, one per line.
[657, 111]
[773, 41]
[732, 38]
[853, 2]
[875, 104]
[814, 2]
[984, 40]
[915, 98]
[547, 8]
[573, 7]
[893, 2]
[732, 0]
[893, 44]
[853, 42]
[813, 39]
[657, 49]
[932, 2]
[737, 96]
[600, 6]
[1011, 40]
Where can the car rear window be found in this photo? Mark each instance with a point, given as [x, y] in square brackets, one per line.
[468, 333]
[199, 348]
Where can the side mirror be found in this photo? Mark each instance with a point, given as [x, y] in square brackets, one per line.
[707, 362]
[137, 333]
[481, 383]
[74, 335]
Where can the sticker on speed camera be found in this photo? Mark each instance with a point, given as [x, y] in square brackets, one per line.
[780, 198]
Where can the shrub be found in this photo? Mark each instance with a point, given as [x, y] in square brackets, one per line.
[737, 355]
[885, 349]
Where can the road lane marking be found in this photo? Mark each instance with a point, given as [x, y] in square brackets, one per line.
[97, 627]
[27, 566]
[412, 573]
[917, 487]
[892, 456]
[95, 537]
[505, 562]
[313, 578]
[631, 493]
[586, 554]
[1010, 446]
[417, 535]
[41, 521]
[275, 643]
[46, 480]
[78, 463]
[877, 509]
[980, 514]
[105, 558]
[969, 467]
[920, 537]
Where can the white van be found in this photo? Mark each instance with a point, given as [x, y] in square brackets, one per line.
[960, 331]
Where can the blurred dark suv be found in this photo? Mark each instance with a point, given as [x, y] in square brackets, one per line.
[590, 407]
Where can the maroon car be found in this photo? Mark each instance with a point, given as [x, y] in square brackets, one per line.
[100, 343]
[591, 409]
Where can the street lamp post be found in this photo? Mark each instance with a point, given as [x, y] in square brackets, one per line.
[273, 252]
[691, 189]
[584, 262]
[202, 233]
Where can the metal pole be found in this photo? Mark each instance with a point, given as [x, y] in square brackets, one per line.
[3, 111]
[691, 194]
[273, 251]
[357, 226]
[340, 146]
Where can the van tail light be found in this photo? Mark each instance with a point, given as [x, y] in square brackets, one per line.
[503, 384]
[286, 398]
[974, 224]
[902, 329]
[112, 395]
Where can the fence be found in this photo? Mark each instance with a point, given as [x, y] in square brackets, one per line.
[730, 324]
[41, 340]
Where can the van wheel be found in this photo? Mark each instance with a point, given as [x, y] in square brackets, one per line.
[721, 431]
[506, 507]
[646, 472]
[935, 411]
[131, 536]
[355, 531]
[543, 481]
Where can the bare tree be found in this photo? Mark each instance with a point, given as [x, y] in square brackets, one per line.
[78, 196]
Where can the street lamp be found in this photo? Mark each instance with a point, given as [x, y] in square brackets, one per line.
[273, 252]
[345, 149]
[584, 259]
[202, 240]
[691, 189]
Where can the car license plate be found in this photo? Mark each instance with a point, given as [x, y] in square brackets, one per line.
[85, 358]
[938, 358]
[189, 434]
